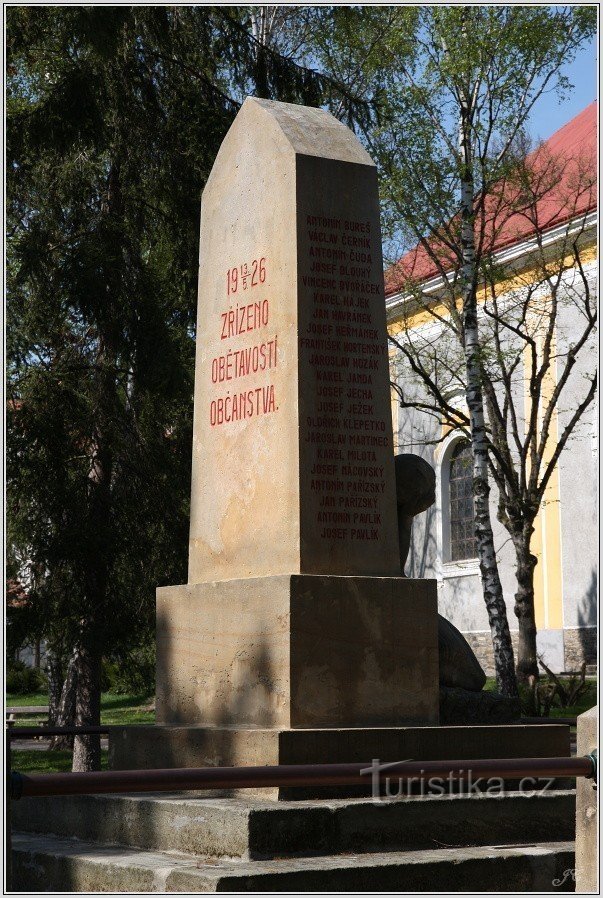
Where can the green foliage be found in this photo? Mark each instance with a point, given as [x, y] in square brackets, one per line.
[586, 700]
[23, 680]
[115, 116]
[134, 673]
[22, 626]
[417, 64]
[103, 209]
[566, 695]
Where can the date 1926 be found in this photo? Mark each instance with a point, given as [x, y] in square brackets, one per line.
[246, 275]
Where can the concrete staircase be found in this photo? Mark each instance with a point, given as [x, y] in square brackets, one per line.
[186, 843]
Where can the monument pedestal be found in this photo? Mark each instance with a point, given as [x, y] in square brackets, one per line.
[149, 747]
[298, 651]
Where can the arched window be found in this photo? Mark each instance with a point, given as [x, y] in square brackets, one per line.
[462, 527]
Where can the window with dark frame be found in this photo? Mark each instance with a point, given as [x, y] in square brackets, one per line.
[462, 526]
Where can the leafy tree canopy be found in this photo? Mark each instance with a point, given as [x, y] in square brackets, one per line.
[115, 115]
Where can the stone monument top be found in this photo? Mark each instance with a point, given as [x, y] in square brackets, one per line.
[293, 464]
[308, 131]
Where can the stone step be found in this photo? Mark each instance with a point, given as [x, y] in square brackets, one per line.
[263, 829]
[44, 863]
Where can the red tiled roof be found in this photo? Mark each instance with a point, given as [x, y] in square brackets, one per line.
[574, 147]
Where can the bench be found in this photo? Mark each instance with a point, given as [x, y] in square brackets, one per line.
[21, 711]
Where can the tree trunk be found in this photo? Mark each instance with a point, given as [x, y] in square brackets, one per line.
[65, 715]
[86, 749]
[527, 661]
[493, 595]
[54, 672]
[260, 31]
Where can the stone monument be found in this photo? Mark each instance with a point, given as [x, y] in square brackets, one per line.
[296, 639]
[294, 614]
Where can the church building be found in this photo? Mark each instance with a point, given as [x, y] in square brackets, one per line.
[544, 256]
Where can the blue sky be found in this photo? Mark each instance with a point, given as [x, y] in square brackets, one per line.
[549, 115]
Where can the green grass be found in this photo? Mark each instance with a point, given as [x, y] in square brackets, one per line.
[32, 761]
[117, 710]
[586, 701]
[124, 710]
[36, 698]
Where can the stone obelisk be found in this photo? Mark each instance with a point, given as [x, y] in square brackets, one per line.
[293, 466]
[295, 634]
[295, 614]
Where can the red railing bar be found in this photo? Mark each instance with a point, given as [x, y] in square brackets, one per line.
[34, 732]
[566, 721]
[294, 775]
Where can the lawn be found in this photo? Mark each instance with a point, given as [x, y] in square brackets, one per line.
[586, 701]
[32, 761]
[36, 698]
[127, 709]
[119, 710]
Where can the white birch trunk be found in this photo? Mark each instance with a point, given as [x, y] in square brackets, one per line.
[492, 589]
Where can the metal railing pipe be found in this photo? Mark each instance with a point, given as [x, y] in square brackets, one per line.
[34, 732]
[535, 721]
[293, 775]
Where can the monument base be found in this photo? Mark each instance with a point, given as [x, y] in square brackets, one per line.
[294, 651]
[153, 747]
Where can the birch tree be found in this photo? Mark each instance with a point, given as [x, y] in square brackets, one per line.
[456, 86]
[536, 350]
[548, 323]
[486, 67]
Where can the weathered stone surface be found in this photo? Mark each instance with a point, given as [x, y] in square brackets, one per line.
[587, 842]
[299, 476]
[256, 828]
[481, 644]
[462, 707]
[579, 645]
[415, 492]
[145, 747]
[298, 651]
[295, 614]
[189, 842]
[43, 864]
[458, 665]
